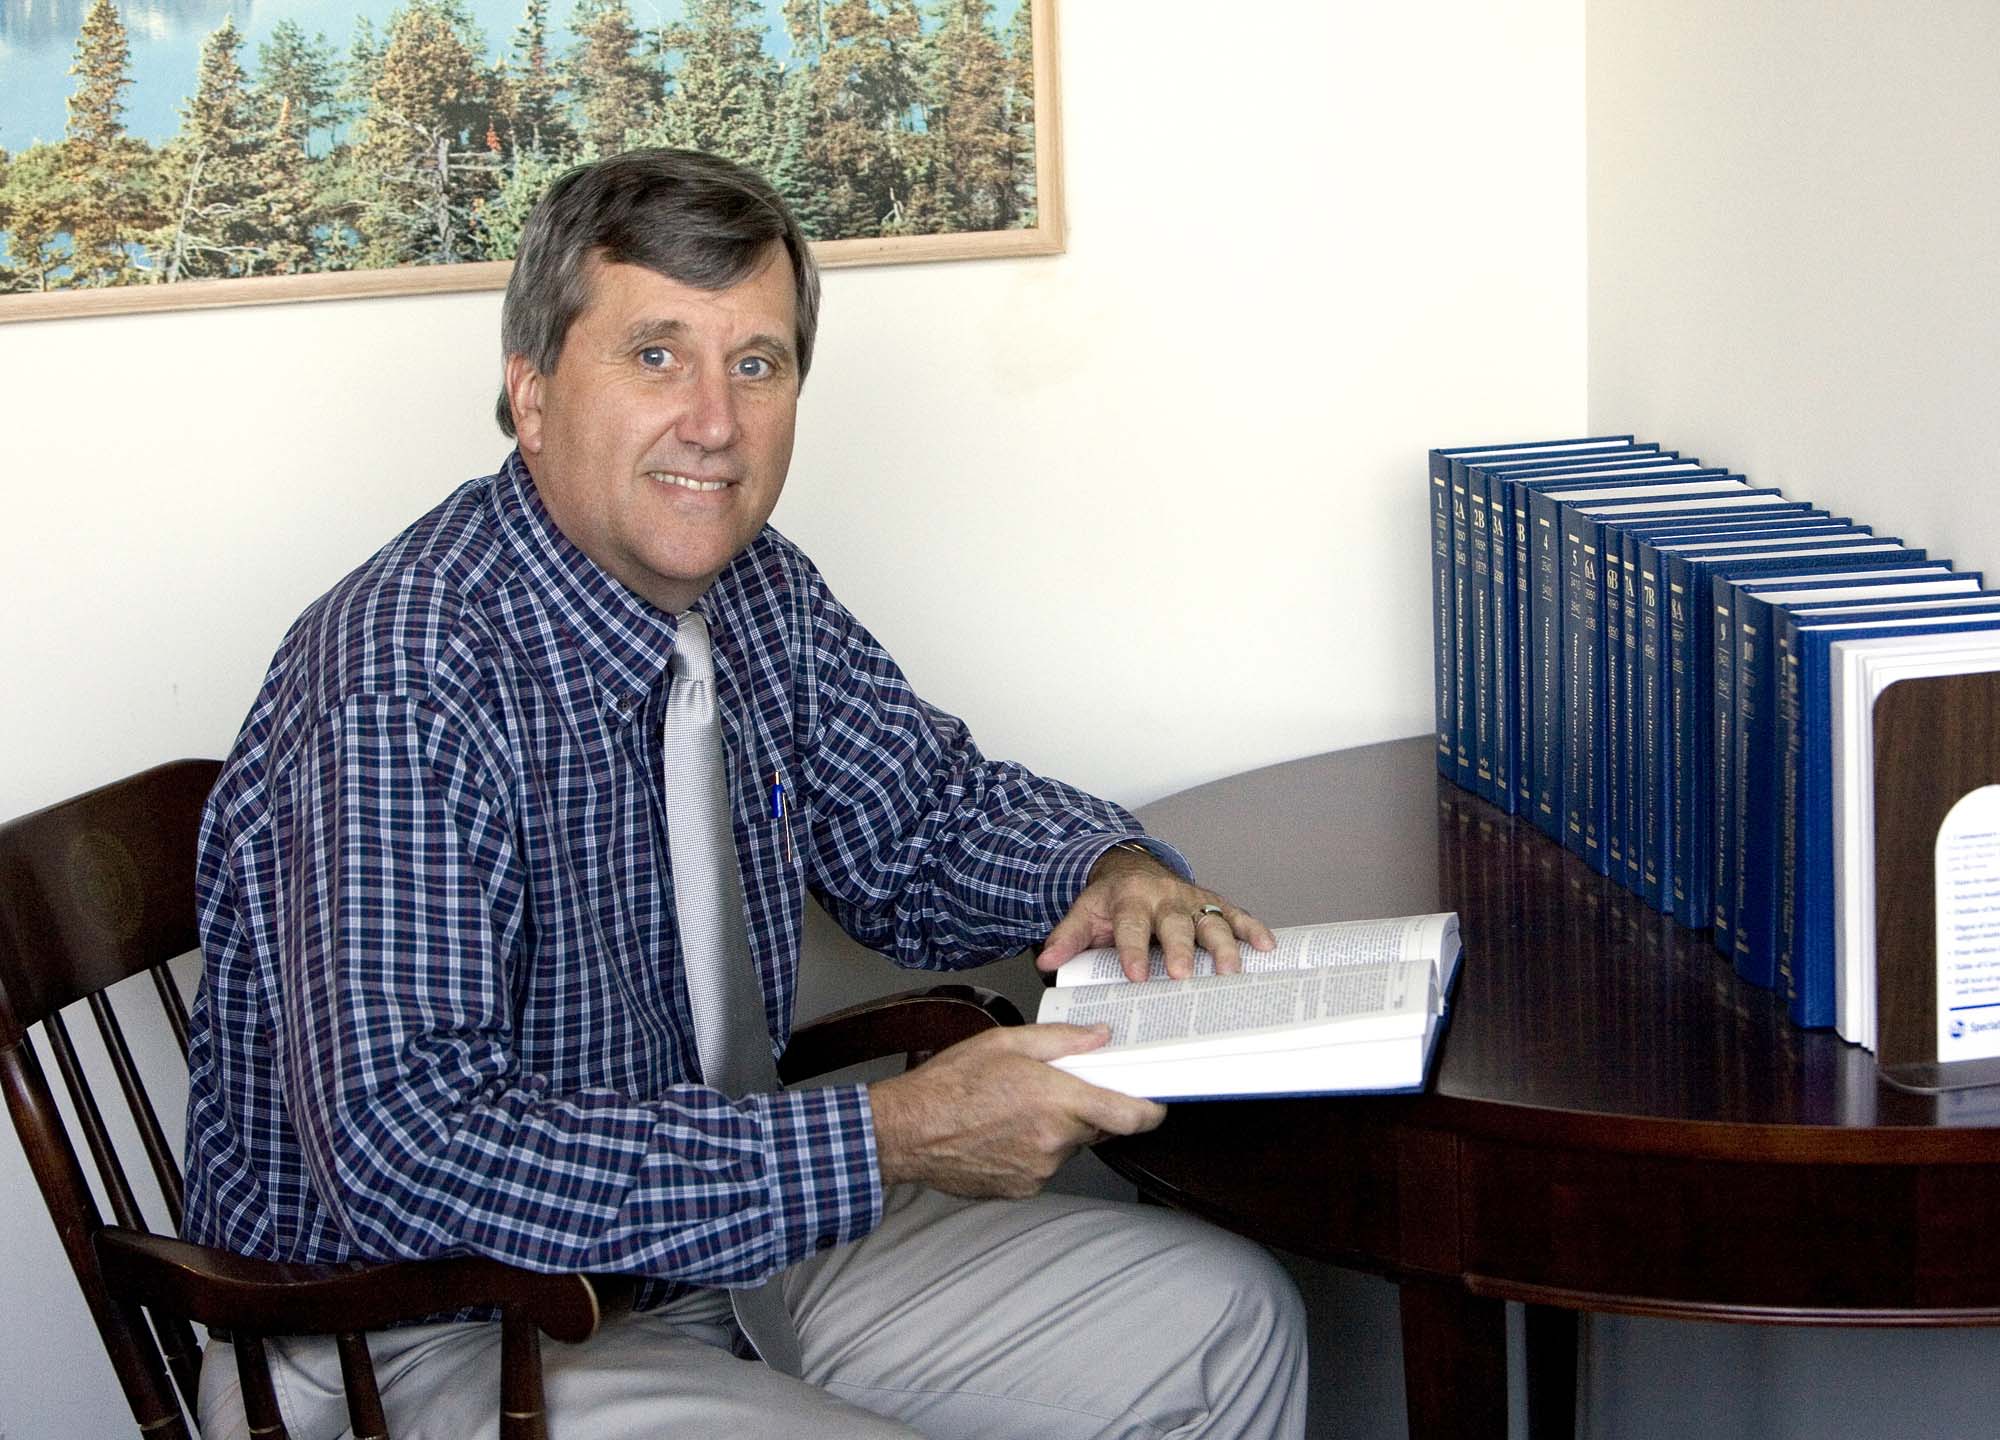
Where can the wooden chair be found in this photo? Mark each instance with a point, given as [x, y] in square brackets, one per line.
[97, 889]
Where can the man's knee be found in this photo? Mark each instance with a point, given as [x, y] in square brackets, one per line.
[1226, 1330]
[1235, 1282]
[1199, 1278]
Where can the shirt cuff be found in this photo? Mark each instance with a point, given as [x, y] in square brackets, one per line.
[826, 1183]
[1069, 867]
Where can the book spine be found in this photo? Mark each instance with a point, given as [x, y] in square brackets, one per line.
[1594, 712]
[1790, 749]
[1688, 859]
[1611, 682]
[1461, 630]
[1501, 658]
[1752, 917]
[1583, 706]
[1441, 608]
[1629, 741]
[1816, 956]
[1570, 634]
[1480, 589]
[1654, 783]
[1523, 578]
[1549, 683]
[1763, 797]
[1722, 792]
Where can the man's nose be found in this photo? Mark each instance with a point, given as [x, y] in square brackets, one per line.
[710, 418]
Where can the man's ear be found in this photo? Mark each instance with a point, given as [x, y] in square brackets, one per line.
[524, 398]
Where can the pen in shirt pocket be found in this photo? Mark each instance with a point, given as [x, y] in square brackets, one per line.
[781, 813]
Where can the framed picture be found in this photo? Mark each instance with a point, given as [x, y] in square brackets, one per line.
[321, 150]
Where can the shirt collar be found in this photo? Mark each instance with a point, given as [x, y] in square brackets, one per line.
[625, 641]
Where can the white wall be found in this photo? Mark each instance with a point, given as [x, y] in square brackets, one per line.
[1795, 271]
[1146, 513]
[1795, 247]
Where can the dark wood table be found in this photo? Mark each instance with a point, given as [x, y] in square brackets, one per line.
[1616, 1124]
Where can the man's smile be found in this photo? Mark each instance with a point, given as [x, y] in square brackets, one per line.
[688, 482]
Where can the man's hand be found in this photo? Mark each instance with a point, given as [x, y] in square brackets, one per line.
[989, 1117]
[1132, 899]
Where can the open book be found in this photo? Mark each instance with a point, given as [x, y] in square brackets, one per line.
[1342, 1008]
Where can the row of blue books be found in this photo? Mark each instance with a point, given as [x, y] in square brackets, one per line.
[1633, 651]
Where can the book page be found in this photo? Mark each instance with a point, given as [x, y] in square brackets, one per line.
[1300, 947]
[1358, 1066]
[1251, 1006]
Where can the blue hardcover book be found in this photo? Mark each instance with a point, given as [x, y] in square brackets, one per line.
[1616, 705]
[1625, 801]
[1806, 900]
[1461, 631]
[1450, 548]
[1441, 607]
[1699, 731]
[1479, 654]
[1757, 770]
[1497, 751]
[1583, 697]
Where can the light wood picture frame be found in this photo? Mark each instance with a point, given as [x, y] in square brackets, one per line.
[1007, 175]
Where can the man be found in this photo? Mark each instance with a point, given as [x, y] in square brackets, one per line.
[452, 1001]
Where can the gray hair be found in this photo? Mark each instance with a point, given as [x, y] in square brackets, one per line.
[695, 218]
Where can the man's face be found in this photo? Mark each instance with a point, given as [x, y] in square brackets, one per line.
[660, 442]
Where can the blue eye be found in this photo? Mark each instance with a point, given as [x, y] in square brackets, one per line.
[754, 367]
[655, 357]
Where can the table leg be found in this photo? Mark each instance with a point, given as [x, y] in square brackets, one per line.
[1551, 1339]
[1454, 1363]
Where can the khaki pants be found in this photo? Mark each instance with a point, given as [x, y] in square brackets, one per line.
[1048, 1318]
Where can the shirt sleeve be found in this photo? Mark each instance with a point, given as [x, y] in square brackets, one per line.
[919, 846]
[394, 899]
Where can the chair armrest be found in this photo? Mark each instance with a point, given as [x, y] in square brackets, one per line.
[267, 1297]
[915, 1024]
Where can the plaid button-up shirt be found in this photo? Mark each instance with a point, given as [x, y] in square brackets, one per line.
[441, 1007]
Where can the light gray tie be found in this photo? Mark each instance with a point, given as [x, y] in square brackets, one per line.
[724, 994]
